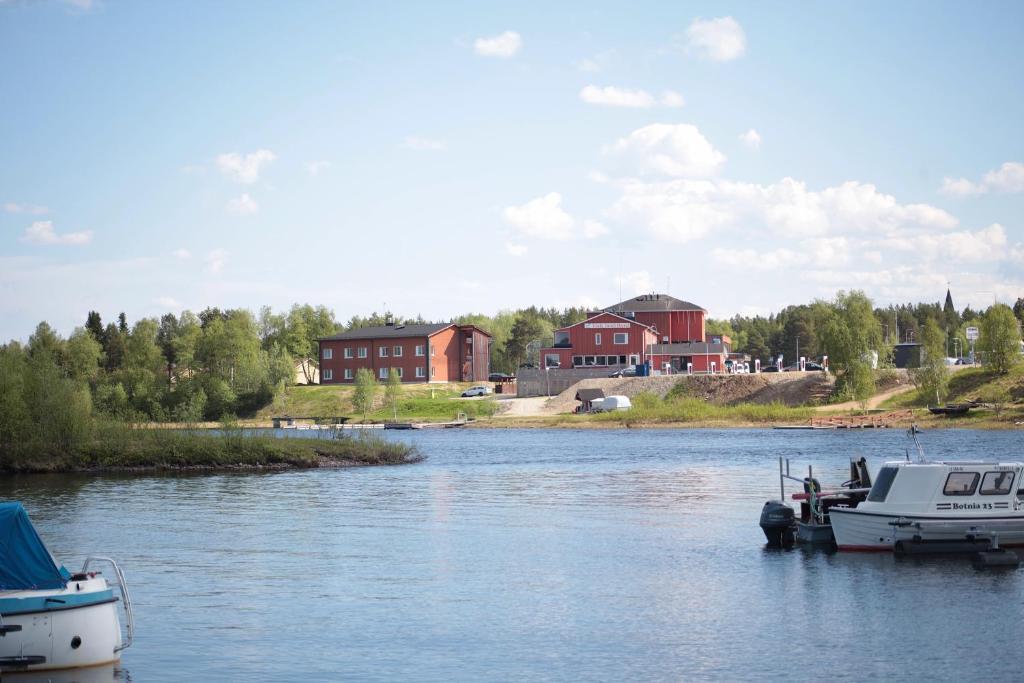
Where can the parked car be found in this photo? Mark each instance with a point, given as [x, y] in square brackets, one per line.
[769, 368]
[628, 371]
[610, 403]
[528, 366]
[499, 377]
[809, 366]
[479, 390]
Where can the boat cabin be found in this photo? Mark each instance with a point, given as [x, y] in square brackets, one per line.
[978, 486]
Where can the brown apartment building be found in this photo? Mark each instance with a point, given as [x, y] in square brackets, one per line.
[441, 352]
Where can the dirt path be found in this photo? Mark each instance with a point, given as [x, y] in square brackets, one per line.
[873, 402]
[523, 407]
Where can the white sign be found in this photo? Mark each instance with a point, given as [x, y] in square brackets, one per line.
[972, 333]
[606, 326]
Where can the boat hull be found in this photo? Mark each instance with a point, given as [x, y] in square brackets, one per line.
[856, 529]
[69, 630]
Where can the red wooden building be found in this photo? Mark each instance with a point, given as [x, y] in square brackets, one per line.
[666, 332]
[442, 352]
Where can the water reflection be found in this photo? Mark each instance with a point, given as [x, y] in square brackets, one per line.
[535, 554]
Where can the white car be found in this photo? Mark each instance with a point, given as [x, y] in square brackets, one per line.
[479, 390]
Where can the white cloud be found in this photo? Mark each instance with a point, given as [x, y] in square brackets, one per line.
[423, 144]
[503, 46]
[872, 256]
[592, 229]
[32, 209]
[215, 260]
[684, 210]
[513, 249]
[638, 282]
[543, 218]
[244, 169]
[182, 254]
[314, 168]
[1008, 178]
[243, 206]
[597, 63]
[611, 96]
[41, 232]
[751, 139]
[987, 245]
[169, 303]
[677, 150]
[720, 40]
[960, 187]
[751, 259]
[672, 99]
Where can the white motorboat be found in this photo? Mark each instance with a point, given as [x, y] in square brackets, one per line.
[925, 502]
[51, 618]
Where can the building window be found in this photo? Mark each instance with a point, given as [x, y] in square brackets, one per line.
[383, 373]
[362, 352]
[597, 339]
[577, 361]
[419, 349]
[633, 360]
[398, 352]
[421, 371]
[383, 351]
[398, 371]
[961, 483]
[431, 349]
[328, 354]
[432, 368]
[562, 339]
[602, 360]
[348, 373]
[552, 360]
[614, 360]
[328, 374]
[620, 338]
[348, 352]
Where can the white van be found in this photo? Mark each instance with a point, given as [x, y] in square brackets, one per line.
[612, 403]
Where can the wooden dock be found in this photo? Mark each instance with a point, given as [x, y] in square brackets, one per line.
[874, 421]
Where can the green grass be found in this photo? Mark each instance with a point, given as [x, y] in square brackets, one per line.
[418, 401]
[437, 409]
[649, 409]
[117, 447]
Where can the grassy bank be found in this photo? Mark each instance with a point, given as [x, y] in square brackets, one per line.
[117, 447]
[417, 402]
[648, 409]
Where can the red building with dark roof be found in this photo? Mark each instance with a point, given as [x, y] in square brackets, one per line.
[668, 333]
[441, 352]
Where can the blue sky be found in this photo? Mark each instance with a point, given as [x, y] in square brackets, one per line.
[439, 159]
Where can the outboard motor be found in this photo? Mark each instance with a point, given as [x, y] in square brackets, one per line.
[778, 523]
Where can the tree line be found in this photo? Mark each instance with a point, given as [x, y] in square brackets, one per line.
[191, 367]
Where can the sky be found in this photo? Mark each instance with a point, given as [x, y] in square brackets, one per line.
[437, 159]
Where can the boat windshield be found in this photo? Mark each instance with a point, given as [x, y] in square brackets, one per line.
[882, 484]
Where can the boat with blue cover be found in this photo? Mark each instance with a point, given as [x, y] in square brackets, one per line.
[51, 618]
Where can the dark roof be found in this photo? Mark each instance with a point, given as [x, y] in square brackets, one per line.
[389, 331]
[586, 395]
[653, 302]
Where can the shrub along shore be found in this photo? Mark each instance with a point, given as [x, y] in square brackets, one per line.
[124, 449]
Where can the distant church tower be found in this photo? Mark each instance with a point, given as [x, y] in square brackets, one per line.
[952, 318]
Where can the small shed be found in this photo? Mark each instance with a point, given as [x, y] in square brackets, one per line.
[586, 397]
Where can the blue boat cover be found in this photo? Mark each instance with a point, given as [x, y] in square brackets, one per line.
[25, 563]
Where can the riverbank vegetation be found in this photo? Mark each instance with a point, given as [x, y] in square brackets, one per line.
[649, 409]
[48, 422]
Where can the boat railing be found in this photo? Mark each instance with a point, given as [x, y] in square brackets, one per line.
[125, 598]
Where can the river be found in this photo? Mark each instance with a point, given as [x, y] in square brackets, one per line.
[536, 555]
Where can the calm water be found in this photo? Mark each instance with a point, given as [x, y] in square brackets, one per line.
[529, 555]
